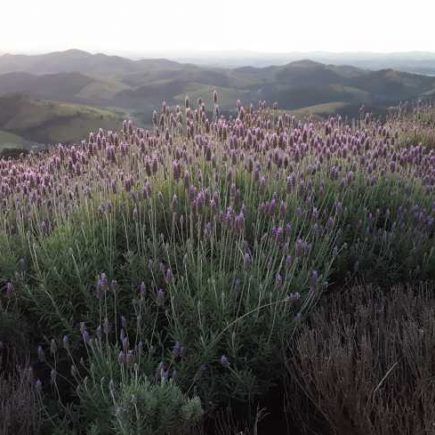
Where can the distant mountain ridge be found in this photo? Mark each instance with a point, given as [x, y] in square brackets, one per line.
[420, 62]
[76, 61]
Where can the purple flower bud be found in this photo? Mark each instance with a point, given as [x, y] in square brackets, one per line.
[239, 222]
[53, 346]
[86, 337]
[247, 260]
[224, 361]
[139, 348]
[162, 372]
[142, 289]
[125, 344]
[169, 277]
[82, 326]
[121, 358]
[178, 350]
[314, 279]
[53, 376]
[301, 248]
[106, 326]
[130, 358]
[176, 169]
[160, 297]
[41, 354]
[293, 297]
[102, 285]
[124, 322]
[9, 289]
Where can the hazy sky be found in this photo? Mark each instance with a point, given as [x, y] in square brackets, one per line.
[138, 26]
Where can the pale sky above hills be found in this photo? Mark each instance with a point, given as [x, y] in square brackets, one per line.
[143, 26]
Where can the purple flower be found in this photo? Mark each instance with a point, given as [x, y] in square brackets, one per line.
[124, 322]
[178, 350]
[162, 372]
[247, 260]
[224, 362]
[169, 277]
[142, 290]
[293, 297]
[106, 326]
[9, 289]
[314, 279]
[53, 376]
[41, 354]
[125, 344]
[121, 358]
[102, 285]
[86, 337]
[239, 222]
[53, 346]
[160, 296]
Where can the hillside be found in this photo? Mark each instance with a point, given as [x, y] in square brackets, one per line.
[113, 81]
[49, 122]
[68, 86]
[11, 140]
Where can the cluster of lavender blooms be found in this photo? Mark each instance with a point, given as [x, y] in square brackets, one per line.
[267, 199]
[269, 145]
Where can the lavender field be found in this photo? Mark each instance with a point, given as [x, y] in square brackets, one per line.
[245, 273]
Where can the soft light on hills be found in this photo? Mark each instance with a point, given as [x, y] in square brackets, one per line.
[138, 87]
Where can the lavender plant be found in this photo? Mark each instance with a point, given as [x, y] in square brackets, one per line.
[178, 260]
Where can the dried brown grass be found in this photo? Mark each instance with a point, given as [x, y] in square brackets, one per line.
[365, 364]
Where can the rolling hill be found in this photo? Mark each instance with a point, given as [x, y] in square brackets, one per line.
[47, 122]
[11, 140]
[114, 83]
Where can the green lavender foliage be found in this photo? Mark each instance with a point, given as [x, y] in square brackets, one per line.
[137, 406]
[179, 262]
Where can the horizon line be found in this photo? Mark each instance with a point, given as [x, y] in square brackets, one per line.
[179, 53]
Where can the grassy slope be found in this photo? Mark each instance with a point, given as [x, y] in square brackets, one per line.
[320, 110]
[11, 140]
[51, 122]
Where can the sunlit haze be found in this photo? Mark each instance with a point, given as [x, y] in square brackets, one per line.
[140, 26]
